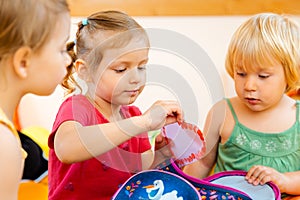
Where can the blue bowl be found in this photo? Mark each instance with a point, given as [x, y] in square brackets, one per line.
[156, 185]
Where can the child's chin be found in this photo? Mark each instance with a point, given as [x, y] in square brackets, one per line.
[131, 101]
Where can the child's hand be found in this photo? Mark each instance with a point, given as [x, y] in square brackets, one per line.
[163, 146]
[162, 150]
[259, 174]
[162, 113]
[160, 141]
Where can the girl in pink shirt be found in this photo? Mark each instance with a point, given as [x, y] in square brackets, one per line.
[98, 141]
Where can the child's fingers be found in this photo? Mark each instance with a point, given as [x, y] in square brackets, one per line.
[163, 113]
[174, 112]
[258, 175]
[177, 112]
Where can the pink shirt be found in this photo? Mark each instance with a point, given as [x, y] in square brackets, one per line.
[96, 178]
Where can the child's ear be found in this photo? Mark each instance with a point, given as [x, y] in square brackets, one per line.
[21, 61]
[82, 70]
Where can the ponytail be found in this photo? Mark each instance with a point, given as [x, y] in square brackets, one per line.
[69, 83]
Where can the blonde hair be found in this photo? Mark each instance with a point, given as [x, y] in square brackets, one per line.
[28, 23]
[97, 33]
[264, 39]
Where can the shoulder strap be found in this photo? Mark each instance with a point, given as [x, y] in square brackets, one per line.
[232, 110]
[5, 121]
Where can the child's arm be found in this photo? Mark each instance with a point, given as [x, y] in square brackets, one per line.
[292, 183]
[11, 164]
[214, 120]
[288, 182]
[203, 167]
[74, 142]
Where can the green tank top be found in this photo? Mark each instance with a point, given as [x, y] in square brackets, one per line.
[246, 147]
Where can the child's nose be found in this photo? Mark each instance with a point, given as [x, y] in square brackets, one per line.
[135, 75]
[250, 84]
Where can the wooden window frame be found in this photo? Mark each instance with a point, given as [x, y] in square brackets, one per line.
[185, 7]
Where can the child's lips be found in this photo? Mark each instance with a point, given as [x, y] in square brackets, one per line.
[252, 100]
[132, 92]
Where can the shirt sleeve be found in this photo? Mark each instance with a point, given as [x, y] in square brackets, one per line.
[74, 108]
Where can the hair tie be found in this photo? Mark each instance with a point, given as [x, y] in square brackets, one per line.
[85, 22]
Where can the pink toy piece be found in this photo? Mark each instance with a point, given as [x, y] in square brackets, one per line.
[188, 142]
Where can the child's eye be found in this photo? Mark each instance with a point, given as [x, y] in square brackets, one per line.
[263, 76]
[242, 74]
[120, 70]
[142, 67]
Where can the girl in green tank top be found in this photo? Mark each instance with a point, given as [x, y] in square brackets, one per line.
[258, 130]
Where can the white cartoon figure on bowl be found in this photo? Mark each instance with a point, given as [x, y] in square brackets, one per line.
[158, 188]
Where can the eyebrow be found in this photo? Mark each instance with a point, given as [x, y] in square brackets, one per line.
[146, 59]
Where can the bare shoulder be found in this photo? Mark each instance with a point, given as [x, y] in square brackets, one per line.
[10, 146]
[219, 111]
[8, 140]
[227, 122]
[215, 118]
[219, 107]
[12, 163]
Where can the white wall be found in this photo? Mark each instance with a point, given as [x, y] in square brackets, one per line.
[212, 34]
